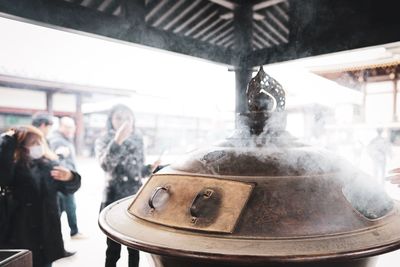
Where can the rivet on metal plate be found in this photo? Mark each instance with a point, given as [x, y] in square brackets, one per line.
[208, 193]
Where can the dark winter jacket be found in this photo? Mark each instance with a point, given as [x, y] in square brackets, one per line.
[123, 165]
[35, 224]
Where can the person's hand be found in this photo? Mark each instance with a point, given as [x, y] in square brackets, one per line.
[61, 173]
[63, 150]
[123, 132]
[395, 176]
[10, 132]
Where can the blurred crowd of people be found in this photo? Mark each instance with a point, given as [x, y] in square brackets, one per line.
[39, 178]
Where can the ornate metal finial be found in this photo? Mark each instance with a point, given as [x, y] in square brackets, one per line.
[265, 94]
[266, 102]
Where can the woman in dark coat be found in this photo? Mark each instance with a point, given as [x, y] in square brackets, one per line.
[29, 170]
[120, 153]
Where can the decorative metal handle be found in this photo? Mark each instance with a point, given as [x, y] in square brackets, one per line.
[153, 196]
[194, 209]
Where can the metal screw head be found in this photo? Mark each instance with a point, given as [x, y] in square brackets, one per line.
[208, 193]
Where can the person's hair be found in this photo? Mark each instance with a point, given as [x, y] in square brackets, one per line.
[25, 134]
[66, 119]
[118, 108]
[42, 118]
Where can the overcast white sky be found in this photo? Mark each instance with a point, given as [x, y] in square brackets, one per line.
[38, 52]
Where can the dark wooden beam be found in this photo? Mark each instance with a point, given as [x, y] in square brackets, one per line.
[266, 3]
[281, 13]
[71, 16]
[223, 34]
[141, 33]
[364, 100]
[257, 27]
[199, 12]
[111, 7]
[58, 87]
[29, 112]
[56, 13]
[50, 102]
[179, 17]
[224, 3]
[80, 125]
[243, 39]
[322, 26]
[95, 4]
[315, 27]
[395, 93]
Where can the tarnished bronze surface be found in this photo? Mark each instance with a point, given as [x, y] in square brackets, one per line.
[166, 241]
[190, 202]
[259, 198]
[281, 207]
[164, 261]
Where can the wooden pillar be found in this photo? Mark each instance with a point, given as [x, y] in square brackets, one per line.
[243, 23]
[80, 127]
[364, 102]
[49, 102]
[135, 12]
[363, 89]
[242, 78]
[395, 79]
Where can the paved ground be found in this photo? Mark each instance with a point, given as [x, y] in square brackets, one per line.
[90, 251]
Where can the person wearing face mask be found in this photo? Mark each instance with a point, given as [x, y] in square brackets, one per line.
[31, 174]
[120, 154]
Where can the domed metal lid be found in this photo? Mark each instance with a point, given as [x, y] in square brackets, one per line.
[259, 194]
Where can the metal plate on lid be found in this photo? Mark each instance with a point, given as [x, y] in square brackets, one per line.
[192, 202]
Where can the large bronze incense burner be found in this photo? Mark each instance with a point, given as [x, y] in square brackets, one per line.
[259, 198]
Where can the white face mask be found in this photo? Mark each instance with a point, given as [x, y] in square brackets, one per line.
[36, 152]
